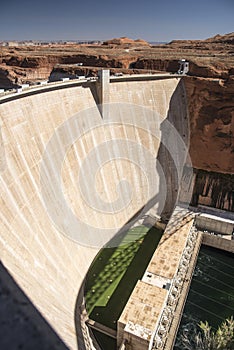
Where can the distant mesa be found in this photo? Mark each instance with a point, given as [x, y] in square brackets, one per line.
[226, 38]
[125, 41]
[141, 41]
[217, 39]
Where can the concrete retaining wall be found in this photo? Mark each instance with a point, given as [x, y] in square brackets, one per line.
[214, 224]
[35, 246]
[218, 242]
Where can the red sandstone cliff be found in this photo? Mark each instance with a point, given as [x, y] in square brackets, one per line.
[211, 113]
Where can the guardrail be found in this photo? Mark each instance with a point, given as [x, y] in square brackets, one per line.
[34, 89]
[166, 318]
[22, 91]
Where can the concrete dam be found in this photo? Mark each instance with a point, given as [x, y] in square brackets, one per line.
[80, 161]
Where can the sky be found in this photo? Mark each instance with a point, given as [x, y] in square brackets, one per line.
[152, 20]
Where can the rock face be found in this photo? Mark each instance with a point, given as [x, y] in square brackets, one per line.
[23, 68]
[211, 111]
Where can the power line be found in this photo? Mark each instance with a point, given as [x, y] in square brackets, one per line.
[223, 273]
[210, 256]
[202, 308]
[207, 274]
[219, 290]
[225, 284]
[217, 302]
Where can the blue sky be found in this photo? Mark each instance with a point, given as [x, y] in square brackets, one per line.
[152, 20]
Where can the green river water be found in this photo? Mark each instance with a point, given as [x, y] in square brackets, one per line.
[211, 296]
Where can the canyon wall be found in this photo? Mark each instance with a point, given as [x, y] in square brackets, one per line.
[211, 114]
[211, 111]
[21, 68]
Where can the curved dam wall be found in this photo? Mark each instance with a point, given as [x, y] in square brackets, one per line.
[50, 230]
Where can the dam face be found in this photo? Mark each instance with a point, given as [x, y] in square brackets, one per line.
[57, 210]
